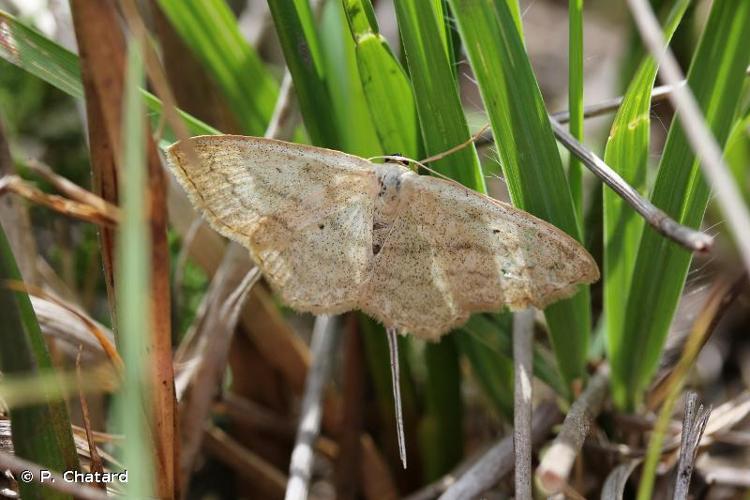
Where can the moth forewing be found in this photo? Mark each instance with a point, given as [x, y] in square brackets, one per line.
[333, 232]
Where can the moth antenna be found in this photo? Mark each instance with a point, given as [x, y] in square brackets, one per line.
[470, 140]
[392, 334]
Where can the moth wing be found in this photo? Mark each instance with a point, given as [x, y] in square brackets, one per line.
[453, 251]
[304, 213]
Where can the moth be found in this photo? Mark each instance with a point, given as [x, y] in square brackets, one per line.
[334, 232]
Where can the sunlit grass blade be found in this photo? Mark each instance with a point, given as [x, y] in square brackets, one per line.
[41, 432]
[133, 286]
[385, 84]
[575, 98]
[357, 133]
[60, 68]
[210, 29]
[441, 117]
[737, 153]
[716, 75]
[528, 153]
[296, 28]
[627, 152]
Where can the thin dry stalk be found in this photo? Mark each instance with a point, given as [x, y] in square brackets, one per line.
[499, 460]
[523, 338]
[16, 222]
[102, 336]
[55, 481]
[104, 214]
[246, 463]
[96, 460]
[323, 345]
[687, 237]
[693, 425]
[73, 191]
[617, 479]
[554, 469]
[694, 124]
[226, 297]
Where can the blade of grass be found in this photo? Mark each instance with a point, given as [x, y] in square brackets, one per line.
[33, 52]
[385, 84]
[41, 432]
[575, 98]
[716, 75]
[627, 153]
[528, 153]
[134, 283]
[441, 117]
[493, 334]
[296, 28]
[210, 29]
[103, 47]
[350, 106]
[492, 366]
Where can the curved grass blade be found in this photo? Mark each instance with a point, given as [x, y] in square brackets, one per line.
[528, 153]
[575, 98]
[627, 152]
[357, 133]
[41, 432]
[33, 52]
[441, 117]
[210, 29]
[298, 35]
[716, 75]
[385, 84]
[133, 286]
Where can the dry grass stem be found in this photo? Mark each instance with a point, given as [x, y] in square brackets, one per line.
[103, 213]
[693, 425]
[523, 340]
[226, 296]
[246, 463]
[499, 460]
[687, 237]
[555, 467]
[323, 345]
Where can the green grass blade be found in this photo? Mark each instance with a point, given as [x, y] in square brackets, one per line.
[737, 153]
[528, 152]
[298, 35]
[41, 432]
[59, 67]
[716, 75]
[575, 97]
[627, 153]
[210, 29]
[441, 117]
[385, 84]
[357, 133]
[133, 289]
[494, 333]
[441, 428]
